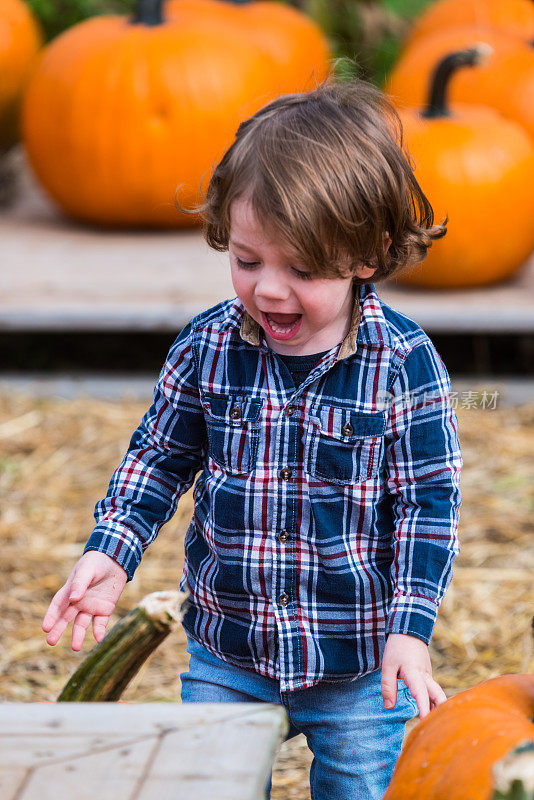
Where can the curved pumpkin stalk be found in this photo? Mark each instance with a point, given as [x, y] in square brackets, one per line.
[513, 776]
[111, 665]
[437, 105]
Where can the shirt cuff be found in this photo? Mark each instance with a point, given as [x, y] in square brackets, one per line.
[412, 614]
[119, 543]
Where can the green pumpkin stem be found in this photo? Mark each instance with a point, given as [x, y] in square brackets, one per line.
[148, 12]
[438, 105]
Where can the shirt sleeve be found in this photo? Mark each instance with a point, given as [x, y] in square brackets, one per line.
[423, 476]
[164, 455]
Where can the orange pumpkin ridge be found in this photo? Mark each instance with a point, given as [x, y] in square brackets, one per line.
[462, 739]
[514, 17]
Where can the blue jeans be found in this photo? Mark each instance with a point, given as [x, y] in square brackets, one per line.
[355, 741]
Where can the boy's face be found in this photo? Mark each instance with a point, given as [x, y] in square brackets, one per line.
[276, 288]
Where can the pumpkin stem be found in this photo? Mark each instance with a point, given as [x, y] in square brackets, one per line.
[437, 105]
[513, 776]
[148, 12]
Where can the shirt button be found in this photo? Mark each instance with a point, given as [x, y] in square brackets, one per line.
[347, 429]
[235, 412]
[283, 599]
[289, 411]
[285, 473]
[284, 536]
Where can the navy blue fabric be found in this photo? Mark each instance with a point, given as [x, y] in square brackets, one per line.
[300, 366]
[325, 515]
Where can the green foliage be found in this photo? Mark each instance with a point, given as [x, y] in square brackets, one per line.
[409, 9]
[56, 16]
[368, 31]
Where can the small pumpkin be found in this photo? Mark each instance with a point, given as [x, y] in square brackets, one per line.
[477, 168]
[121, 112]
[454, 750]
[515, 17]
[504, 80]
[20, 40]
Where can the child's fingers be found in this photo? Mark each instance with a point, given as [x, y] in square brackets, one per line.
[80, 582]
[99, 627]
[57, 607]
[79, 629]
[416, 683]
[435, 692]
[427, 692]
[73, 591]
[57, 631]
[389, 685]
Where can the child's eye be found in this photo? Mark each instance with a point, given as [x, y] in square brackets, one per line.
[305, 275]
[245, 264]
[251, 264]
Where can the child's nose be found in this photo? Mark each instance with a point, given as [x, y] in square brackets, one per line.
[272, 286]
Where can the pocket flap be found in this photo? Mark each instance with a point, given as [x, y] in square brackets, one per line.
[348, 425]
[233, 409]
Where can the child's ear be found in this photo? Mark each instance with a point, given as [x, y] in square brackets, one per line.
[364, 272]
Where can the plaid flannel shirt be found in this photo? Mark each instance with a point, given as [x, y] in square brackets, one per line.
[325, 517]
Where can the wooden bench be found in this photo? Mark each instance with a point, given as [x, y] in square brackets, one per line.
[148, 751]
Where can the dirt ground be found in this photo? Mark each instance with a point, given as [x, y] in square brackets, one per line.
[56, 458]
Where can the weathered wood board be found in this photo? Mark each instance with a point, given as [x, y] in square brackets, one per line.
[61, 275]
[148, 751]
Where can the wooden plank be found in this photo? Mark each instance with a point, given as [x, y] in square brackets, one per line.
[61, 275]
[138, 751]
[218, 760]
[11, 780]
[111, 719]
[111, 772]
[34, 751]
[506, 307]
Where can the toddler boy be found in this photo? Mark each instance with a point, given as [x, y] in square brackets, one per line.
[326, 508]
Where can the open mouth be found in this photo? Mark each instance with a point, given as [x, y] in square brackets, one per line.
[282, 326]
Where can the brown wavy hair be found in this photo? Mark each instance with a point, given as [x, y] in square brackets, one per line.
[328, 174]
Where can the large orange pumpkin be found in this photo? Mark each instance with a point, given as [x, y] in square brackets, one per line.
[477, 168]
[20, 40]
[514, 17]
[122, 112]
[295, 41]
[504, 81]
[452, 751]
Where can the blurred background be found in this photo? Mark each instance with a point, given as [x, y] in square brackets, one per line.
[112, 109]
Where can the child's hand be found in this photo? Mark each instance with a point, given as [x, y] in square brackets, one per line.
[91, 591]
[407, 657]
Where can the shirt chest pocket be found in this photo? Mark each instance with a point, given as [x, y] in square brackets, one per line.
[233, 425]
[344, 446]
